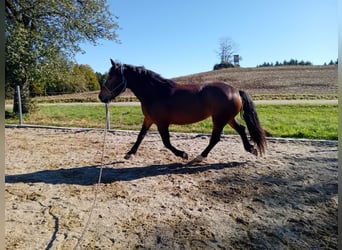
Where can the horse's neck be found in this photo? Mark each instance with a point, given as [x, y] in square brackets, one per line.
[138, 87]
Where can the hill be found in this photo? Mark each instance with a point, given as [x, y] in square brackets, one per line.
[286, 82]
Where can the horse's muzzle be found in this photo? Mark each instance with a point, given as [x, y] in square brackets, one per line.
[104, 98]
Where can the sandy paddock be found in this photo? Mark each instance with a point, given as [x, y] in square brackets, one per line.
[233, 200]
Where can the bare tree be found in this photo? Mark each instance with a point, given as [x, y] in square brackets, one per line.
[227, 49]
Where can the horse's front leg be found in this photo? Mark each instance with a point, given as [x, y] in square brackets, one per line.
[145, 127]
[165, 135]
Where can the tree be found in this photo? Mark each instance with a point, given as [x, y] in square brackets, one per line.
[40, 32]
[227, 49]
[71, 78]
[90, 79]
[101, 77]
[226, 53]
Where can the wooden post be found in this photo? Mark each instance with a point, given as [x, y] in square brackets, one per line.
[19, 108]
[107, 116]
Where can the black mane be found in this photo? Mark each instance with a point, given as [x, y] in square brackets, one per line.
[151, 77]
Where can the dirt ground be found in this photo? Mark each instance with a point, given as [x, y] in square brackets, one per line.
[233, 200]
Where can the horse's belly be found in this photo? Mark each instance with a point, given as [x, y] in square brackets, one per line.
[187, 116]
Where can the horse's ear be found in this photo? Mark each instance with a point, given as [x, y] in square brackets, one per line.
[113, 63]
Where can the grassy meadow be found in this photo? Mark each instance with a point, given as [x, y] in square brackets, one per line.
[311, 121]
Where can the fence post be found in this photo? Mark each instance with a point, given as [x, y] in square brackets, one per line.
[107, 116]
[19, 106]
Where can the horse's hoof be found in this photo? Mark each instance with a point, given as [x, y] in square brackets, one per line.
[185, 156]
[254, 151]
[198, 159]
[127, 156]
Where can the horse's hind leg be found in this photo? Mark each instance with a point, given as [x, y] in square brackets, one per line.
[242, 132]
[165, 135]
[214, 139]
[145, 127]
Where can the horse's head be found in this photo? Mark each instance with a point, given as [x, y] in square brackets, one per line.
[115, 83]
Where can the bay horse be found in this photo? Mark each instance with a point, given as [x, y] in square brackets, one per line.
[164, 102]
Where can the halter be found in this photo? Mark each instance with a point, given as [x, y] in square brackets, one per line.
[123, 83]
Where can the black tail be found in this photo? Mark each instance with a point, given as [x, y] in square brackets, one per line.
[250, 115]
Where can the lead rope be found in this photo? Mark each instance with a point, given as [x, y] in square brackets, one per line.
[97, 184]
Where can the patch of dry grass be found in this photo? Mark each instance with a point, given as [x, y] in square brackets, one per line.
[286, 80]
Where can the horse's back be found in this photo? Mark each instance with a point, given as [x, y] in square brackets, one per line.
[221, 93]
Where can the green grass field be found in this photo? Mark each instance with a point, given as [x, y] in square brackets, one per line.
[295, 121]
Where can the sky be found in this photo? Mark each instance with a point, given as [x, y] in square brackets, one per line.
[178, 37]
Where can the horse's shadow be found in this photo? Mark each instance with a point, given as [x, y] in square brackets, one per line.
[88, 175]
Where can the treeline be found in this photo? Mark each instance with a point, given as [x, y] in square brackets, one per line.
[66, 79]
[331, 62]
[292, 62]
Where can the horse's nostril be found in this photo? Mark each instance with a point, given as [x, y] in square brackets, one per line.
[103, 98]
